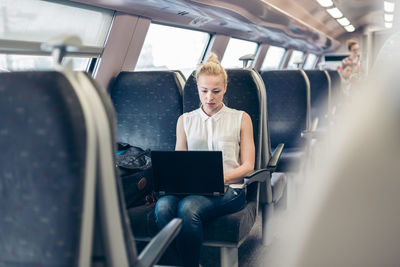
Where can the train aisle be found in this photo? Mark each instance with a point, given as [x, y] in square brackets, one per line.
[252, 253]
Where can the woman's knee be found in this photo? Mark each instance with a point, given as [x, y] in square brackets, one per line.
[235, 200]
[166, 207]
[190, 209]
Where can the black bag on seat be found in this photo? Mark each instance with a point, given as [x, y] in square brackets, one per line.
[135, 170]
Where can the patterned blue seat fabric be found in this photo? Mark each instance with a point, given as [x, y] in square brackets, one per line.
[43, 141]
[319, 95]
[147, 105]
[287, 114]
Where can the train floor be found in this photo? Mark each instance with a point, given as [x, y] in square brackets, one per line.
[251, 253]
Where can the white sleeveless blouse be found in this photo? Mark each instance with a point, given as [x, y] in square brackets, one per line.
[219, 132]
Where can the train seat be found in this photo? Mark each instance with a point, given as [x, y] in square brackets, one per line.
[287, 114]
[44, 142]
[244, 93]
[319, 96]
[147, 105]
[336, 85]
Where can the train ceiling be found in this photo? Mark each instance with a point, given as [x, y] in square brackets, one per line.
[363, 14]
[300, 24]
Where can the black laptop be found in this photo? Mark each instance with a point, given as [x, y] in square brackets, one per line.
[188, 172]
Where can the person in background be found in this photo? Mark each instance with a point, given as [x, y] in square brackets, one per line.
[354, 59]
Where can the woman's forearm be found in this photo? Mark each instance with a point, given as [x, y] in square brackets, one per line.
[237, 174]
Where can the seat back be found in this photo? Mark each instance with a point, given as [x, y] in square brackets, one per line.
[243, 93]
[286, 106]
[336, 82]
[319, 95]
[101, 250]
[148, 105]
[44, 171]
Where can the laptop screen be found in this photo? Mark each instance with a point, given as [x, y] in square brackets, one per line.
[188, 172]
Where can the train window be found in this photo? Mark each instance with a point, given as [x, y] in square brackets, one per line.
[235, 49]
[310, 61]
[273, 58]
[29, 62]
[295, 58]
[172, 48]
[28, 24]
[41, 21]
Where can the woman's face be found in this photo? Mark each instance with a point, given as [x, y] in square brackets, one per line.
[211, 92]
[355, 49]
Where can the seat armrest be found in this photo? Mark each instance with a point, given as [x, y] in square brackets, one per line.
[256, 176]
[158, 244]
[273, 161]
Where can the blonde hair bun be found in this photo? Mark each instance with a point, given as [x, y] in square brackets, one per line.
[213, 58]
[212, 67]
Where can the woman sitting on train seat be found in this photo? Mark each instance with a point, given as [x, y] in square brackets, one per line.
[213, 126]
